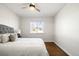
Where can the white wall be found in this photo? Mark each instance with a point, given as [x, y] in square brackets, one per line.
[7, 17]
[48, 28]
[67, 29]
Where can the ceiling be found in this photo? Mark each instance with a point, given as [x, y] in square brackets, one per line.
[46, 9]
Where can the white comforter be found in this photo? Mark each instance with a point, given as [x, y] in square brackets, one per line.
[24, 47]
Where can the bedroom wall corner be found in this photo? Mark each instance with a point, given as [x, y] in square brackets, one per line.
[67, 29]
[8, 17]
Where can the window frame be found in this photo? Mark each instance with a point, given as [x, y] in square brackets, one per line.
[36, 23]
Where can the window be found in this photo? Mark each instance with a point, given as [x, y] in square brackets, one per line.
[36, 27]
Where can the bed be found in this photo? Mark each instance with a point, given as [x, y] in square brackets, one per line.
[22, 46]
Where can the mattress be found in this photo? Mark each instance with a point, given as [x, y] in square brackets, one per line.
[24, 47]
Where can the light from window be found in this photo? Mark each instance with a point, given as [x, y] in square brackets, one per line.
[36, 27]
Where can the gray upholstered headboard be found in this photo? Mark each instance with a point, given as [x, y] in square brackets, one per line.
[5, 29]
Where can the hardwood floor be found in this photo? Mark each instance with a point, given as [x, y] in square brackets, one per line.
[54, 50]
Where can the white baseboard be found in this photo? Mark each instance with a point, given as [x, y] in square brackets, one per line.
[63, 49]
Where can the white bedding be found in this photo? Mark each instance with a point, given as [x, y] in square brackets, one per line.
[24, 47]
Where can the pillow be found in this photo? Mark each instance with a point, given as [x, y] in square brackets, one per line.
[13, 36]
[4, 38]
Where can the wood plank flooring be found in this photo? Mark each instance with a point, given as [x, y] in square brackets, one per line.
[54, 50]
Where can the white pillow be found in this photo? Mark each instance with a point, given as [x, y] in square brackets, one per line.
[13, 36]
[4, 38]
